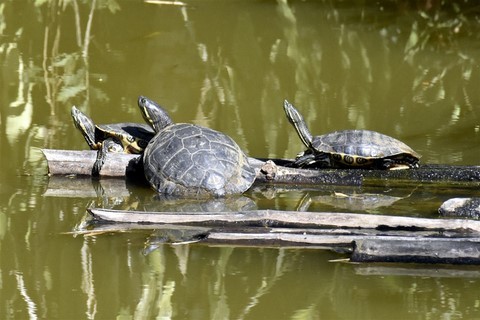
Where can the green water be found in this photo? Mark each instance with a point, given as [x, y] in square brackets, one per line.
[408, 69]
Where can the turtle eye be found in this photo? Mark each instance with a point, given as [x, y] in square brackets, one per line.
[142, 144]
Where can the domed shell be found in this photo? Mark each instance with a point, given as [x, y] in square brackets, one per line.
[361, 147]
[364, 143]
[189, 160]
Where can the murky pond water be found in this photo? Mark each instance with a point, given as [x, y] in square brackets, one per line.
[409, 69]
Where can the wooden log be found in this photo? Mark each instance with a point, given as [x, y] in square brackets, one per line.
[461, 207]
[417, 250]
[308, 239]
[369, 238]
[277, 218]
[72, 162]
[69, 162]
[365, 245]
[261, 236]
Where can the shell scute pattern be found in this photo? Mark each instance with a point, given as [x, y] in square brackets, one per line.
[193, 160]
[360, 147]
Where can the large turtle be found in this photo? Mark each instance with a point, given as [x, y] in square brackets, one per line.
[350, 148]
[116, 137]
[189, 160]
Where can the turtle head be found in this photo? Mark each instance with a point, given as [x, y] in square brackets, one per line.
[154, 114]
[292, 113]
[296, 119]
[85, 125]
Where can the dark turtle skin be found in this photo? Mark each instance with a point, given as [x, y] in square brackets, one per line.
[115, 137]
[189, 160]
[350, 148]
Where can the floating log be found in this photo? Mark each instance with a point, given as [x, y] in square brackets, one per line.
[369, 238]
[277, 218]
[73, 162]
[417, 250]
[263, 236]
[461, 207]
[69, 162]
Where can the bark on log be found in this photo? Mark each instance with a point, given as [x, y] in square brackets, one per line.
[69, 162]
[461, 207]
[276, 218]
[417, 250]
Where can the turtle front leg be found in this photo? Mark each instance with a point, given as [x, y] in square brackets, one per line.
[107, 146]
[313, 160]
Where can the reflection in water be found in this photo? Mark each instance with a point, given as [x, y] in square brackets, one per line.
[354, 202]
[88, 286]
[31, 307]
[241, 283]
[175, 235]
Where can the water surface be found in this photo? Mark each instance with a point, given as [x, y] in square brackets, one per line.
[408, 69]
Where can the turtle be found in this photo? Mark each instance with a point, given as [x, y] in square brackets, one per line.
[350, 148]
[114, 138]
[189, 160]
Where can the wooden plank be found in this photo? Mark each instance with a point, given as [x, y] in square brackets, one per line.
[276, 218]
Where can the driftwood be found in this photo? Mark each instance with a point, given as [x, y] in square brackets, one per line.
[69, 162]
[369, 238]
[277, 218]
[461, 207]
[419, 250]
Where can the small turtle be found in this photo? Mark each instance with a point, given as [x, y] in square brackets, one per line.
[350, 148]
[190, 160]
[115, 137]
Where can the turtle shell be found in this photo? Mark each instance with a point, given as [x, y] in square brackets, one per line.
[134, 137]
[362, 148]
[186, 159]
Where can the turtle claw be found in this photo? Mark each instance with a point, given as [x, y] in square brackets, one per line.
[97, 166]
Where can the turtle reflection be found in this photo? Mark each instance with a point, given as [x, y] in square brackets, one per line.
[352, 201]
[174, 234]
[232, 204]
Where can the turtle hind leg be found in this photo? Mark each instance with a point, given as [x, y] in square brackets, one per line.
[108, 146]
[397, 164]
